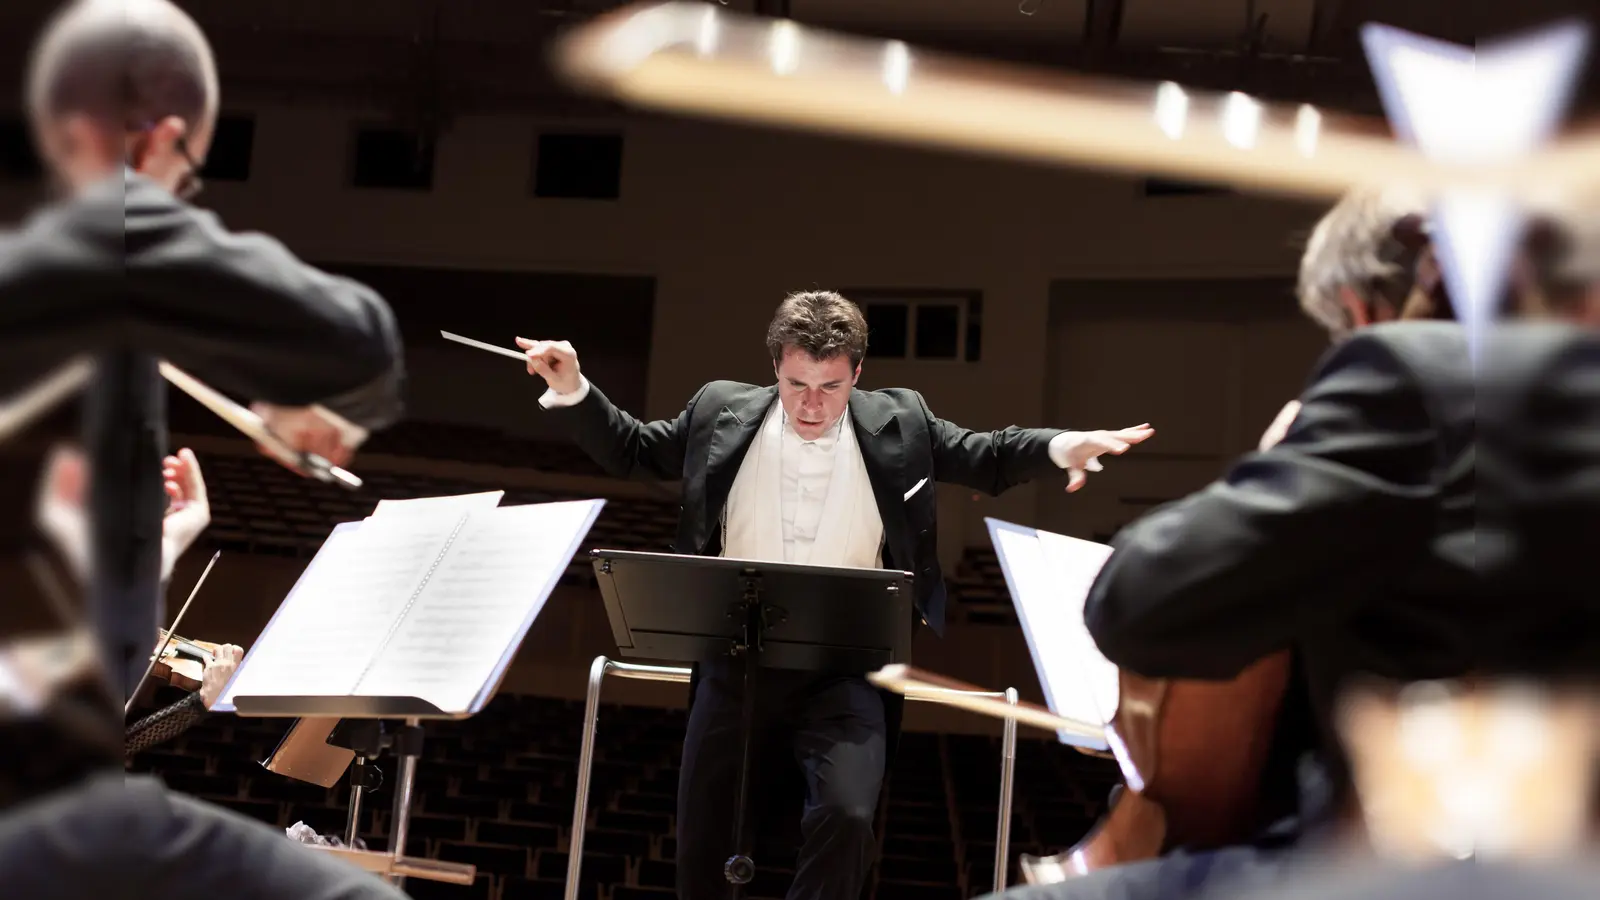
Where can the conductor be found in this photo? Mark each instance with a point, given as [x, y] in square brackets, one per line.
[810, 471]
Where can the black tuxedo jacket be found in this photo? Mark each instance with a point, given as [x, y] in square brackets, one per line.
[901, 442]
[1418, 521]
[128, 266]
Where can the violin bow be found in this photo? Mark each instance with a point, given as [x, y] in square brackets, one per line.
[254, 428]
[902, 679]
[167, 640]
[43, 396]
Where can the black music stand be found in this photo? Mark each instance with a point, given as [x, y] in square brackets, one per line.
[692, 609]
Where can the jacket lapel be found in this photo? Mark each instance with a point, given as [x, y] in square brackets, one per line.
[883, 452]
[737, 424]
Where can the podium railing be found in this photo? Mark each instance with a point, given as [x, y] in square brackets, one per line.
[604, 666]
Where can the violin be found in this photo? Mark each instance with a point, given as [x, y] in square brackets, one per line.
[1192, 755]
[181, 662]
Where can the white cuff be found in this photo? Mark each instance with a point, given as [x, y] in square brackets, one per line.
[1060, 449]
[552, 400]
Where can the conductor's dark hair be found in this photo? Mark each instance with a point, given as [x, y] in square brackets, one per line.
[127, 64]
[821, 323]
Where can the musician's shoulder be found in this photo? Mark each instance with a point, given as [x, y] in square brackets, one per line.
[1420, 336]
[892, 396]
[726, 389]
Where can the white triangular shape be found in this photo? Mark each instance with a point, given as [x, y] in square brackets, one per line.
[1476, 108]
[1474, 236]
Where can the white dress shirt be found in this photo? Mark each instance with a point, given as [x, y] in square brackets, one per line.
[807, 472]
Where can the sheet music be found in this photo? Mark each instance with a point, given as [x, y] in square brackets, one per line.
[479, 602]
[338, 615]
[1049, 577]
[439, 506]
[1073, 564]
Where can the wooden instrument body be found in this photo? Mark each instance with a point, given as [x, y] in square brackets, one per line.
[182, 663]
[1192, 754]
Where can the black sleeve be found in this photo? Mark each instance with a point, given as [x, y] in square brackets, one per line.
[242, 313]
[624, 446]
[988, 461]
[128, 265]
[58, 292]
[164, 725]
[1203, 587]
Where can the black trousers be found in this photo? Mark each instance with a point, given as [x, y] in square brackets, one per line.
[834, 726]
[117, 837]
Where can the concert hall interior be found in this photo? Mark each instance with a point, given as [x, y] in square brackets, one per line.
[427, 148]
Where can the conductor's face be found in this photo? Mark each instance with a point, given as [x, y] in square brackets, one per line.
[814, 392]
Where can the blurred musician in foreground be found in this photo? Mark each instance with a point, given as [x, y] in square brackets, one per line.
[62, 518]
[1414, 520]
[123, 99]
[807, 470]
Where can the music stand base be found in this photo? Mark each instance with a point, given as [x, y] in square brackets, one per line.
[739, 870]
[385, 865]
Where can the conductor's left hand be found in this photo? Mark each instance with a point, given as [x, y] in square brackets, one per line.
[1082, 450]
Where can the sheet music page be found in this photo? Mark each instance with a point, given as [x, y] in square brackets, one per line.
[1053, 627]
[478, 604]
[331, 625]
[439, 506]
[1073, 564]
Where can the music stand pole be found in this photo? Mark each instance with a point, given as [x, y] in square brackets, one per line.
[740, 868]
[695, 609]
[407, 747]
[364, 778]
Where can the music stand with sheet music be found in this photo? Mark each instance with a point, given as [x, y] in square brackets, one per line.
[412, 614]
[1048, 576]
[692, 609]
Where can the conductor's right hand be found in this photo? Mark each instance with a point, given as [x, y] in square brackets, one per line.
[554, 361]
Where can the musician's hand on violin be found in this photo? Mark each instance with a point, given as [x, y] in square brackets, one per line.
[1279, 426]
[305, 431]
[188, 504]
[224, 662]
[1079, 452]
[554, 361]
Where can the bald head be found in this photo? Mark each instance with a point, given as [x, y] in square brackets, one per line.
[124, 68]
[128, 62]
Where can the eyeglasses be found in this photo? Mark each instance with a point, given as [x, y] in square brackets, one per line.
[190, 185]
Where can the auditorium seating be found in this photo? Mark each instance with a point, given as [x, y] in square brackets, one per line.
[497, 791]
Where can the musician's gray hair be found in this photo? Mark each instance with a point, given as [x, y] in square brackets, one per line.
[1346, 252]
[125, 63]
